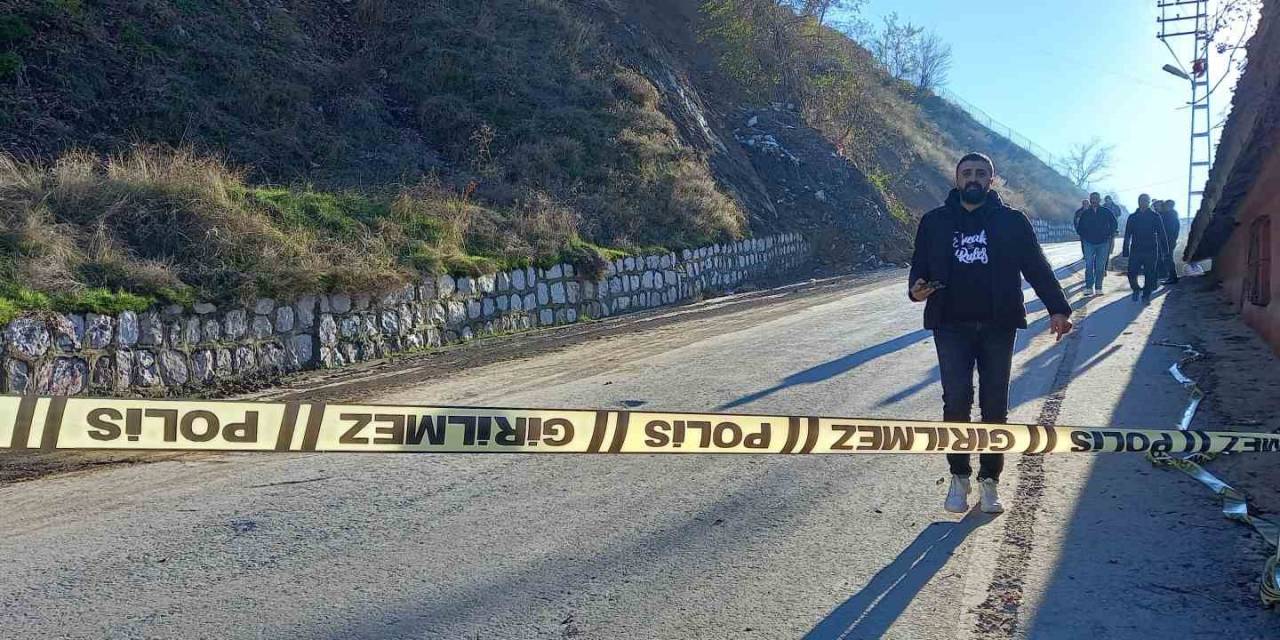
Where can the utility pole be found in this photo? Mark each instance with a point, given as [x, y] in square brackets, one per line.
[1180, 18]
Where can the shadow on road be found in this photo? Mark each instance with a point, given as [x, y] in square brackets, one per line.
[835, 367]
[1023, 341]
[1143, 542]
[871, 611]
[845, 364]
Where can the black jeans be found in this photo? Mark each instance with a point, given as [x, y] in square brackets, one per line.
[962, 347]
[1147, 264]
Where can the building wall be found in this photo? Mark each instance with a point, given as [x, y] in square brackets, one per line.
[1232, 263]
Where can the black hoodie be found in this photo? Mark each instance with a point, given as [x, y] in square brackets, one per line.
[1014, 253]
[1096, 225]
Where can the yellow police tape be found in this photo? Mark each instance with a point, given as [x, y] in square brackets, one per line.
[205, 425]
[1234, 504]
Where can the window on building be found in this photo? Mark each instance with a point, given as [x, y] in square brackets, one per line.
[1260, 261]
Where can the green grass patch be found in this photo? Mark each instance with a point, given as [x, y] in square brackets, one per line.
[15, 299]
[343, 213]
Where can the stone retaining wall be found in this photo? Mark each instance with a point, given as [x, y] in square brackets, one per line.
[174, 348]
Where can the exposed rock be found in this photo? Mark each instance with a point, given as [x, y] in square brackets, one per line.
[328, 331]
[340, 303]
[103, 373]
[98, 330]
[263, 306]
[123, 369]
[202, 364]
[191, 330]
[390, 323]
[222, 363]
[27, 337]
[272, 357]
[284, 319]
[245, 361]
[306, 312]
[261, 327]
[236, 325]
[66, 335]
[146, 373]
[301, 351]
[173, 366]
[128, 331]
[212, 330]
[64, 377]
[445, 286]
[350, 327]
[17, 376]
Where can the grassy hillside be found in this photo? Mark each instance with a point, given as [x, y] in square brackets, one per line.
[169, 150]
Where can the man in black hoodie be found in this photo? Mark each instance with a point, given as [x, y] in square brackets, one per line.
[1096, 226]
[1144, 243]
[970, 257]
[1172, 227]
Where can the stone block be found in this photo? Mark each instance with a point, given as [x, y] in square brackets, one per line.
[284, 319]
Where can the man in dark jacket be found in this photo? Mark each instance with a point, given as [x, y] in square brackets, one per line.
[1096, 227]
[970, 257]
[1172, 227]
[1144, 242]
[1075, 220]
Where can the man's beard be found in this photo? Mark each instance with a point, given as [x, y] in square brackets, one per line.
[973, 193]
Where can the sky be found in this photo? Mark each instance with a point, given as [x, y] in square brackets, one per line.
[1060, 73]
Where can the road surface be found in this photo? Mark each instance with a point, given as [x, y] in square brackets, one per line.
[398, 546]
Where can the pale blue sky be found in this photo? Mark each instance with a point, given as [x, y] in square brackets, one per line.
[1060, 72]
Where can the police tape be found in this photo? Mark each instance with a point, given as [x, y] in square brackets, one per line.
[211, 425]
[1235, 506]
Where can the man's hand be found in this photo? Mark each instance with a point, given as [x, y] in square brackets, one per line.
[921, 290]
[1059, 325]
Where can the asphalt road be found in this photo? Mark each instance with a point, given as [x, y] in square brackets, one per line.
[386, 546]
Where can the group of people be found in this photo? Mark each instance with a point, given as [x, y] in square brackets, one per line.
[1150, 235]
[970, 258]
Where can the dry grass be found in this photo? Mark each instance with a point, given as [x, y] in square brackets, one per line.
[170, 225]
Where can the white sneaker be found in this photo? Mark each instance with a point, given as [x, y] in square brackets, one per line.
[958, 495]
[989, 497]
[1097, 291]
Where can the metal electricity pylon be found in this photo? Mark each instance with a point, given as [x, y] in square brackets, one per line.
[1178, 19]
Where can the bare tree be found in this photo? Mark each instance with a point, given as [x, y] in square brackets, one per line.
[895, 46]
[933, 62]
[1087, 163]
[818, 9]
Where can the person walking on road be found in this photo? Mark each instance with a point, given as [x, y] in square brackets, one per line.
[1172, 228]
[1144, 242]
[1075, 219]
[969, 260]
[1117, 211]
[1097, 229]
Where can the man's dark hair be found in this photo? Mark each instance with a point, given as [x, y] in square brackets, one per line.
[974, 155]
[1095, 193]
